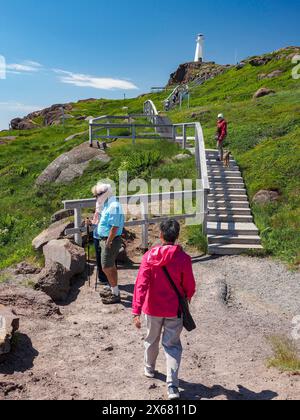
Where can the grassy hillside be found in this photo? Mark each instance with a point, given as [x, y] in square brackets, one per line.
[264, 137]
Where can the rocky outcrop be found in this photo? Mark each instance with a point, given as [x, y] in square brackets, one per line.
[264, 197]
[71, 165]
[9, 324]
[27, 302]
[68, 255]
[263, 92]
[63, 261]
[182, 157]
[4, 140]
[272, 75]
[196, 72]
[260, 61]
[25, 269]
[49, 116]
[54, 231]
[54, 280]
[61, 215]
[22, 124]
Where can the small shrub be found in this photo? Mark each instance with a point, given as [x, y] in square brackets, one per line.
[197, 239]
[286, 357]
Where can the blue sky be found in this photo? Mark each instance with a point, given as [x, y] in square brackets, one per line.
[65, 50]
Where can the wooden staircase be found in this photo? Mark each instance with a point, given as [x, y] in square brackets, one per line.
[230, 225]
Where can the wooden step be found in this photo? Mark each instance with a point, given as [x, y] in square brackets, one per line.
[221, 173]
[228, 191]
[234, 239]
[220, 204]
[232, 249]
[229, 218]
[231, 228]
[221, 196]
[229, 211]
[227, 185]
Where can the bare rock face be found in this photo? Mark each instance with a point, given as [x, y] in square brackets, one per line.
[272, 75]
[65, 253]
[264, 197]
[27, 302]
[54, 280]
[9, 324]
[26, 269]
[63, 261]
[61, 215]
[260, 61]
[189, 72]
[263, 92]
[71, 165]
[50, 116]
[55, 231]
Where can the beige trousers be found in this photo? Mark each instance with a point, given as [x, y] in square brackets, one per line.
[170, 330]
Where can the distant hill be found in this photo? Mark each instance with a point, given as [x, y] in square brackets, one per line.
[264, 136]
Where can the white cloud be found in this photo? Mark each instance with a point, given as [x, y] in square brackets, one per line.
[84, 80]
[18, 107]
[24, 67]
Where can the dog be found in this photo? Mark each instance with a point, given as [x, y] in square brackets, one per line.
[227, 159]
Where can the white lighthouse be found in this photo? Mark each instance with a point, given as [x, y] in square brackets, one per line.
[199, 49]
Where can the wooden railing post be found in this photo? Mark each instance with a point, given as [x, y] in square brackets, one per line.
[145, 226]
[184, 142]
[78, 221]
[133, 135]
[174, 130]
[91, 134]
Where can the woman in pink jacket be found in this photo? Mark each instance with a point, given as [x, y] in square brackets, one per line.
[157, 300]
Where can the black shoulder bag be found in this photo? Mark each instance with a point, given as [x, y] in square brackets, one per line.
[188, 322]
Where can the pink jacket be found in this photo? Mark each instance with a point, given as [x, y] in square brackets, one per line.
[153, 294]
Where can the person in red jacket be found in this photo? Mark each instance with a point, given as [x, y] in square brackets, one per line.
[157, 300]
[221, 135]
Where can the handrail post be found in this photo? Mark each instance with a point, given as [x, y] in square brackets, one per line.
[78, 221]
[205, 211]
[91, 134]
[174, 129]
[184, 142]
[133, 134]
[145, 226]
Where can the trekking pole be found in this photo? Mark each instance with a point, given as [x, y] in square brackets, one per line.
[96, 282]
[88, 250]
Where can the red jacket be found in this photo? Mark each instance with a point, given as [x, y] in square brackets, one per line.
[222, 130]
[153, 294]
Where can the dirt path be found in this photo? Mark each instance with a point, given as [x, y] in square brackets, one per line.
[93, 352]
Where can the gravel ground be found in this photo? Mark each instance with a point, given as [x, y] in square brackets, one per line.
[93, 352]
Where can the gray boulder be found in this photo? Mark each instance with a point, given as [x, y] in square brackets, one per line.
[272, 75]
[71, 165]
[55, 231]
[28, 302]
[54, 280]
[263, 92]
[70, 256]
[9, 324]
[61, 215]
[264, 197]
[182, 156]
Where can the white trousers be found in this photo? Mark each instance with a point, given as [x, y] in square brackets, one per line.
[170, 329]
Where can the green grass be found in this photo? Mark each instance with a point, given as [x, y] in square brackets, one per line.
[196, 239]
[264, 137]
[286, 357]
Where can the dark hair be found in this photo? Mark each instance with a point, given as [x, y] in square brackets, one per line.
[170, 230]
